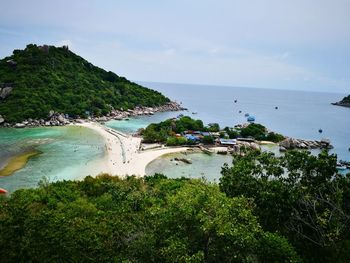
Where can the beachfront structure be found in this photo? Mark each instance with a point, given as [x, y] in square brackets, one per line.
[227, 142]
[191, 137]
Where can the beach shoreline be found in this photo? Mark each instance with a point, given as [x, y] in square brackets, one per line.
[123, 154]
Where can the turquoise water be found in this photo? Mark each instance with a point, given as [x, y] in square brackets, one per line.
[68, 153]
[203, 166]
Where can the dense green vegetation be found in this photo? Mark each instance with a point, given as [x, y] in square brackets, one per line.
[159, 132]
[293, 208]
[299, 196]
[134, 220]
[165, 131]
[50, 78]
[259, 132]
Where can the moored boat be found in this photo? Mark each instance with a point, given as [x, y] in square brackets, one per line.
[340, 167]
[3, 191]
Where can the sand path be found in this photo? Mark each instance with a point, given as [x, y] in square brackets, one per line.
[123, 155]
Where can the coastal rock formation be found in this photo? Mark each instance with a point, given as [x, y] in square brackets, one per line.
[184, 160]
[54, 119]
[60, 119]
[345, 102]
[291, 143]
[139, 111]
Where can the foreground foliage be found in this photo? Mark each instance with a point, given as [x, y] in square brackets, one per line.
[50, 78]
[300, 196]
[134, 220]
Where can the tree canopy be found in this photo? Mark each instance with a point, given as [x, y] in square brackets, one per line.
[298, 195]
[155, 219]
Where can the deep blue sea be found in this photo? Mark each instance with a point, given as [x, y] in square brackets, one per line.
[300, 114]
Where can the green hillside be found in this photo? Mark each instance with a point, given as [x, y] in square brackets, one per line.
[38, 79]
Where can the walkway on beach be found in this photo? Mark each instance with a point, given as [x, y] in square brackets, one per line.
[122, 152]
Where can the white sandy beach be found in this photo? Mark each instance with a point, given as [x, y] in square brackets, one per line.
[123, 155]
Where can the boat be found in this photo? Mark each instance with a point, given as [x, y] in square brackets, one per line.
[340, 167]
[240, 111]
[194, 112]
[276, 108]
[320, 130]
[251, 119]
[3, 191]
[235, 101]
[246, 115]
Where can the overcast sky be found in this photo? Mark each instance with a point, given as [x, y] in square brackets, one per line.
[284, 44]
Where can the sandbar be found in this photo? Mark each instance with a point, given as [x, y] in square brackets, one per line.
[124, 155]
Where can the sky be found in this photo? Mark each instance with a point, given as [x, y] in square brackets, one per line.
[290, 44]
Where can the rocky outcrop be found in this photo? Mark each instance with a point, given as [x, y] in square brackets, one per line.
[139, 111]
[345, 102]
[4, 92]
[184, 160]
[291, 143]
[60, 119]
[54, 119]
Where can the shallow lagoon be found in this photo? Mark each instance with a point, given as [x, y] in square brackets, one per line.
[67, 153]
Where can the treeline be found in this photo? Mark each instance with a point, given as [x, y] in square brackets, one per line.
[265, 209]
[154, 219]
[166, 131]
[300, 196]
[49, 78]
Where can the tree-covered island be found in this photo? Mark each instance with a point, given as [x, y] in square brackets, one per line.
[39, 81]
[345, 102]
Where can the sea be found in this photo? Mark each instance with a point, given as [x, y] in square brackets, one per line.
[72, 152]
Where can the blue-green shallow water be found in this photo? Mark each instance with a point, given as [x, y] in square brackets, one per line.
[68, 153]
[203, 165]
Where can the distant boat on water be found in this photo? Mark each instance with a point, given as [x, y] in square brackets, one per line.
[194, 112]
[340, 167]
[246, 115]
[235, 101]
[276, 108]
[3, 191]
[320, 130]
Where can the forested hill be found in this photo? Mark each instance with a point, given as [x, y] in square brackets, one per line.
[38, 79]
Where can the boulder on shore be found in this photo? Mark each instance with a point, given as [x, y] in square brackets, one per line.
[291, 143]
